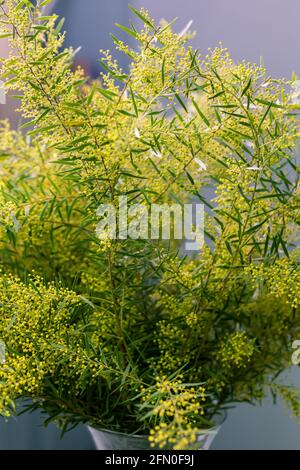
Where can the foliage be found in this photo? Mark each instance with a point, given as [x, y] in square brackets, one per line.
[131, 335]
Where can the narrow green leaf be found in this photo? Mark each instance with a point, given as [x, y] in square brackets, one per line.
[268, 103]
[45, 3]
[126, 113]
[120, 43]
[128, 31]
[112, 72]
[92, 93]
[142, 17]
[134, 102]
[256, 227]
[59, 26]
[201, 114]
[265, 116]
[163, 71]
[247, 87]
[220, 93]
[109, 95]
[181, 102]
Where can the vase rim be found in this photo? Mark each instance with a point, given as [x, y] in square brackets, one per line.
[222, 417]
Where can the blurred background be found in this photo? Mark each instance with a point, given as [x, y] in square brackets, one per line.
[253, 30]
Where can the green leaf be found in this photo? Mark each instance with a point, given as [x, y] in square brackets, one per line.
[43, 130]
[256, 227]
[181, 102]
[220, 93]
[201, 114]
[128, 31]
[134, 103]
[34, 85]
[241, 134]
[216, 74]
[120, 43]
[28, 124]
[190, 177]
[222, 105]
[59, 26]
[168, 26]
[163, 66]
[45, 18]
[26, 3]
[283, 245]
[247, 87]
[109, 95]
[92, 93]
[142, 17]
[131, 175]
[45, 3]
[264, 116]
[217, 115]
[112, 72]
[126, 113]
[269, 103]
[40, 27]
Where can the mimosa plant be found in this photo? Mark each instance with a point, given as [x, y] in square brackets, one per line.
[132, 335]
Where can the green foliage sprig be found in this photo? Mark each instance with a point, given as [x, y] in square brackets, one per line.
[130, 335]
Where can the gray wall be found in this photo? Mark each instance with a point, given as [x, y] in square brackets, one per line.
[27, 432]
[268, 28]
[250, 29]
